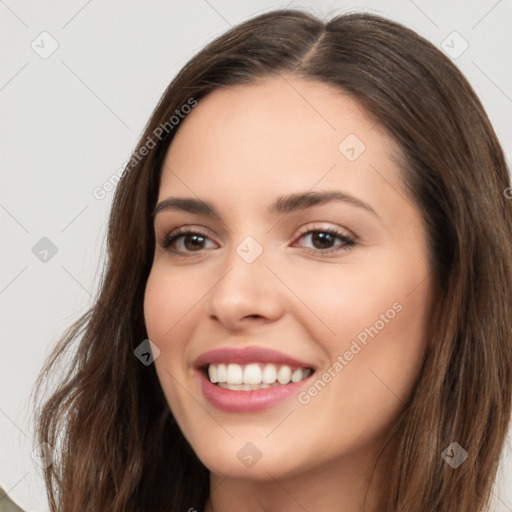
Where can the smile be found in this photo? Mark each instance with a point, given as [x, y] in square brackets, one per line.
[250, 379]
[257, 375]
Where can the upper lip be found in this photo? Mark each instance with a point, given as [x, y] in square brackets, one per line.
[247, 355]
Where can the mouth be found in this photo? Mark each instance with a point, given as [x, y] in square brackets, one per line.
[254, 376]
[250, 379]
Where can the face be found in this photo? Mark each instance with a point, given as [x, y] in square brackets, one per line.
[297, 256]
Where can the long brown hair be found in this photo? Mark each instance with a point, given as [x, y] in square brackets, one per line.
[117, 445]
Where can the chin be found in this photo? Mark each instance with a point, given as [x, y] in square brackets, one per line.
[250, 456]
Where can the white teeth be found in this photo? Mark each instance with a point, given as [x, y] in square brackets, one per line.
[234, 374]
[254, 375]
[222, 372]
[212, 373]
[297, 375]
[284, 375]
[269, 375]
[243, 387]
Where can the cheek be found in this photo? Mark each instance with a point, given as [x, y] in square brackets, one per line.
[379, 372]
[345, 300]
[168, 299]
[372, 323]
[168, 303]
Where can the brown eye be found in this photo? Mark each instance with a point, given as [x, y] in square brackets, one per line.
[193, 241]
[184, 242]
[324, 241]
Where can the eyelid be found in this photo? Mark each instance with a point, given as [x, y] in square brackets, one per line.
[319, 226]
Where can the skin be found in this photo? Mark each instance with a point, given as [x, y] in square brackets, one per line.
[240, 149]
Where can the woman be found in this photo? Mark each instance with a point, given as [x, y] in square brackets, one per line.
[341, 338]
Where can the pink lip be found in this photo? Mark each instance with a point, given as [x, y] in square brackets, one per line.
[247, 401]
[248, 355]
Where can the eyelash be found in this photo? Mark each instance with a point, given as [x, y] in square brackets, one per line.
[170, 238]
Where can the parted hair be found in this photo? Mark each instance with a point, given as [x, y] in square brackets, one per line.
[117, 445]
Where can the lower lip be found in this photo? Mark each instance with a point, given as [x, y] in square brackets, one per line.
[248, 401]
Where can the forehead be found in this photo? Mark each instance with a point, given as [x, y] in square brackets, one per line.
[281, 131]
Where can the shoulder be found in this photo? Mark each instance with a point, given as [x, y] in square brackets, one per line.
[6, 504]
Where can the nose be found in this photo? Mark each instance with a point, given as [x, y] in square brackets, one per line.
[246, 294]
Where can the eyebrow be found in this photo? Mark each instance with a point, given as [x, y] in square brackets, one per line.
[283, 205]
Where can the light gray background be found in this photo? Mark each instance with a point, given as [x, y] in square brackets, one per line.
[70, 121]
